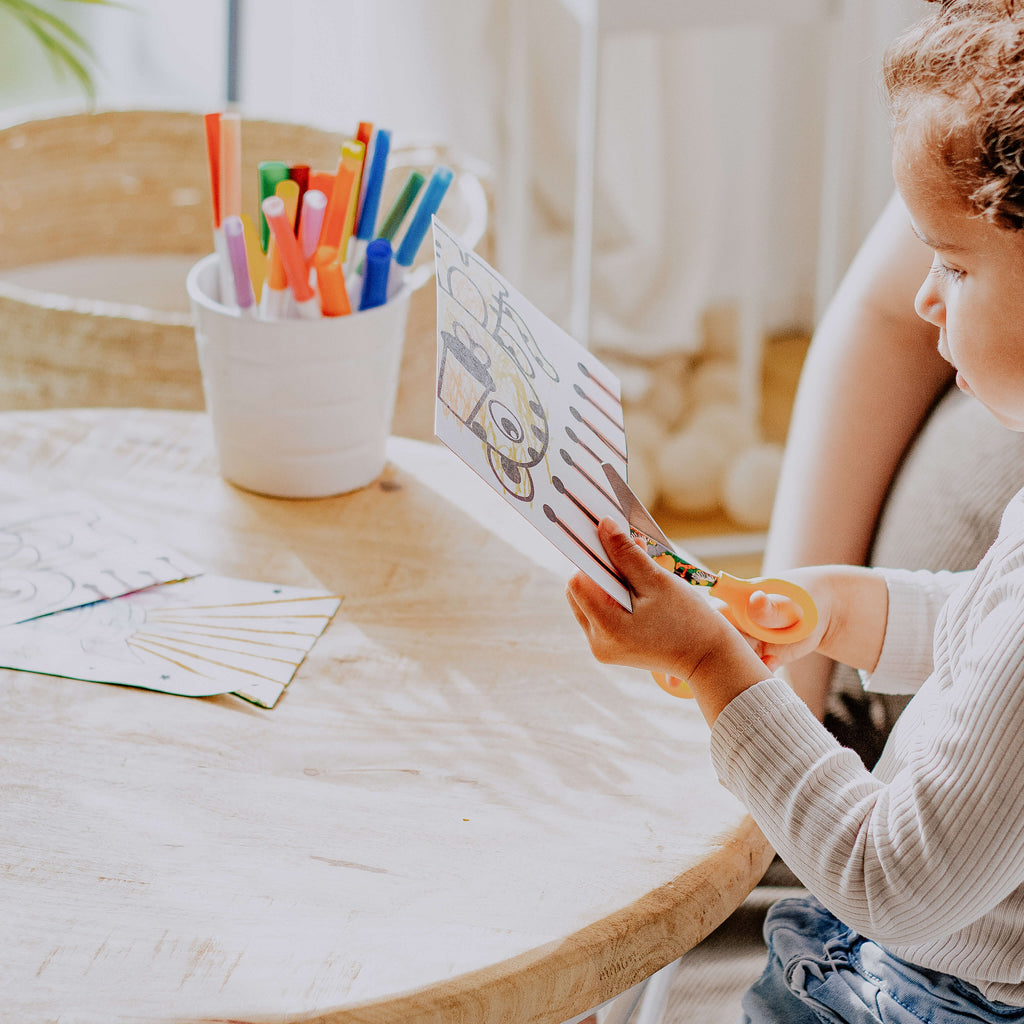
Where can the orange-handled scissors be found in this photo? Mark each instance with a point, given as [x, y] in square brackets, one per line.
[733, 592]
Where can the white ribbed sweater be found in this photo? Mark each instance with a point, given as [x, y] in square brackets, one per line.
[924, 854]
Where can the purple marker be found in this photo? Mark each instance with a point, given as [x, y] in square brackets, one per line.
[234, 238]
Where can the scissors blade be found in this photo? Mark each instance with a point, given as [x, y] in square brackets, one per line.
[641, 520]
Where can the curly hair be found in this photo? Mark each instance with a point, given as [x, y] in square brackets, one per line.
[963, 64]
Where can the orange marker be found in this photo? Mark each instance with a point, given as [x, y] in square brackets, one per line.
[274, 300]
[322, 181]
[364, 133]
[287, 245]
[212, 124]
[215, 158]
[341, 195]
[331, 282]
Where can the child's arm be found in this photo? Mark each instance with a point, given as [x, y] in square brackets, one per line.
[902, 854]
[673, 628]
[933, 838]
[871, 376]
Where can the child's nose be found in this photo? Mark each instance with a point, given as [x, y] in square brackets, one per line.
[928, 302]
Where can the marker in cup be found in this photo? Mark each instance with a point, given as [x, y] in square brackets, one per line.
[306, 303]
[400, 207]
[334, 300]
[373, 183]
[375, 279]
[234, 240]
[314, 204]
[270, 173]
[418, 226]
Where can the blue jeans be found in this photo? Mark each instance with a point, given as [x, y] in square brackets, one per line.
[821, 971]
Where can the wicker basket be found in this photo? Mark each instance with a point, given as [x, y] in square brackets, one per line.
[135, 183]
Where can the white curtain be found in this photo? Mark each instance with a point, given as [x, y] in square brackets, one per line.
[673, 171]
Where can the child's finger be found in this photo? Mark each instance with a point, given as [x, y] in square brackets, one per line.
[629, 557]
[773, 611]
[580, 615]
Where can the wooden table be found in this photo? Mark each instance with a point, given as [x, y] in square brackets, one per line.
[453, 814]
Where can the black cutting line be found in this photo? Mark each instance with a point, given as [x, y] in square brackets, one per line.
[610, 445]
[604, 387]
[562, 489]
[604, 412]
[579, 469]
[552, 515]
[573, 436]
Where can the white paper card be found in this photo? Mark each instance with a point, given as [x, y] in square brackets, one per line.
[199, 637]
[68, 549]
[527, 408]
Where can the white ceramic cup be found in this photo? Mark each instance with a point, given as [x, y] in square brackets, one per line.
[299, 408]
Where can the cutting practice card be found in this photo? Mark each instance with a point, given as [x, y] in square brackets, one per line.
[527, 407]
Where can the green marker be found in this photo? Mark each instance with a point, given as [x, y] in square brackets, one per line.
[271, 173]
[401, 206]
[399, 209]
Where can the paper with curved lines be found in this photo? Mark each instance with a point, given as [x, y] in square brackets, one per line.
[527, 408]
[67, 549]
[199, 637]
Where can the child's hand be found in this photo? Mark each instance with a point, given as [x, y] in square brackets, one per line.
[673, 628]
[774, 611]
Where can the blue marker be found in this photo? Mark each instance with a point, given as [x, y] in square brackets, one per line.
[428, 206]
[374, 186]
[375, 279]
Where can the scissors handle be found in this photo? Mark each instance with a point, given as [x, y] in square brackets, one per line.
[735, 593]
[673, 685]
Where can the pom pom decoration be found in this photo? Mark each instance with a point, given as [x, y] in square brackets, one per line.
[642, 476]
[724, 420]
[716, 380]
[644, 434]
[749, 483]
[667, 398]
[691, 465]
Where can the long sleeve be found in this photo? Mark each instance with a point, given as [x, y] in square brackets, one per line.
[926, 853]
[916, 600]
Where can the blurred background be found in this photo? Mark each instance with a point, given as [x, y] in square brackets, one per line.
[739, 155]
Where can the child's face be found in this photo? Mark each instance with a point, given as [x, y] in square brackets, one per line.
[974, 292]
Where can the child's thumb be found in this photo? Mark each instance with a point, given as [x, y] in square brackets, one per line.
[773, 611]
[625, 554]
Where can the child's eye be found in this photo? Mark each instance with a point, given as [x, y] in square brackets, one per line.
[946, 272]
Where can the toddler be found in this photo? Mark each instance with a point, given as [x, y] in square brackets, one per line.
[916, 868]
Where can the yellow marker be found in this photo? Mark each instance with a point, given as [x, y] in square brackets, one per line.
[352, 154]
[289, 192]
[257, 257]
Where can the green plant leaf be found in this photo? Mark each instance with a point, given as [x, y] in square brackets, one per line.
[64, 46]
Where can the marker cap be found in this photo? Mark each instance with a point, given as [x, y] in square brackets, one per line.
[428, 206]
[375, 278]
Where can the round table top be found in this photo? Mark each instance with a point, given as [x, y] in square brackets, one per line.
[453, 813]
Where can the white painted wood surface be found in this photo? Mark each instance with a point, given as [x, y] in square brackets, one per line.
[454, 813]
